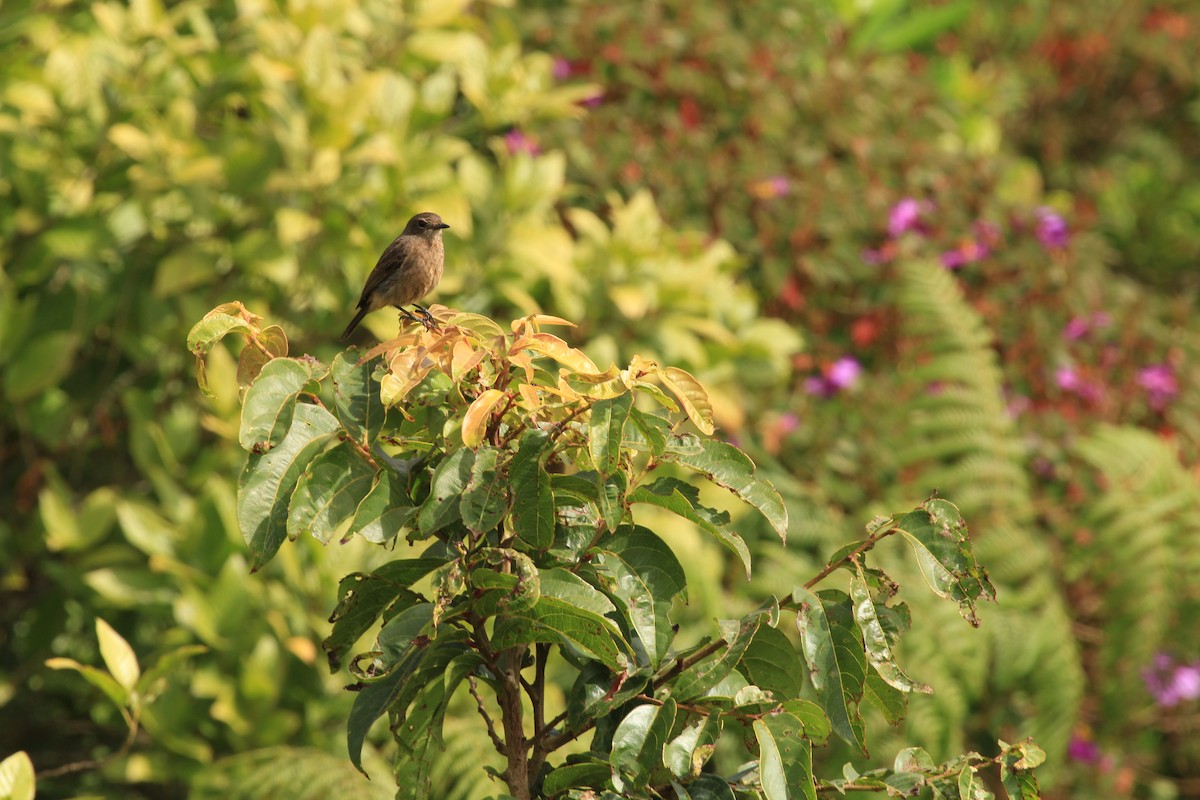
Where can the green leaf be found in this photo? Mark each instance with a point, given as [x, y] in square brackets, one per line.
[17, 779]
[687, 753]
[772, 663]
[205, 334]
[555, 620]
[597, 691]
[271, 400]
[533, 495]
[816, 723]
[836, 662]
[784, 758]
[118, 656]
[684, 499]
[648, 433]
[420, 729]
[638, 744]
[890, 701]
[384, 511]
[699, 678]
[729, 467]
[591, 774]
[328, 493]
[356, 398]
[641, 571]
[1017, 762]
[709, 787]
[96, 677]
[40, 365]
[938, 534]
[268, 479]
[606, 432]
[610, 497]
[442, 507]
[363, 598]
[485, 497]
[875, 639]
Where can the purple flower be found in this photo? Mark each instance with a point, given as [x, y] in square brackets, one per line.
[1101, 319]
[817, 386]
[1171, 683]
[517, 142]
[844, 373]
[905, 216]
[1051, 229]
[561, 69]
[593, 101]
[1082, 748]
[968, 252]
[1160, 384]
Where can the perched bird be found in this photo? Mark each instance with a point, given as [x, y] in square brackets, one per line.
[409, 269]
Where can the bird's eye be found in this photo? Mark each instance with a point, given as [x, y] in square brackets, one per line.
[423, 224]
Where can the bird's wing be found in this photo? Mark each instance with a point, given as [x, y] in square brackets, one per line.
[384, 267]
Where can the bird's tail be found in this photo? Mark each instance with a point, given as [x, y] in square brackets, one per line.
[362, 312]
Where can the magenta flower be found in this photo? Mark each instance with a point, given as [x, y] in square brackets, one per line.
[1171, 683]
[517, 142]
[1051, 229]
[788, 422]
[1081, 748]
[1077, 328]
[905, 216]
[1067, 379]
[593, 101]
[1160, 384]
[561, 69]
[843, 374]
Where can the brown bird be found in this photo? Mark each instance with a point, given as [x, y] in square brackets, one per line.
[409, 269]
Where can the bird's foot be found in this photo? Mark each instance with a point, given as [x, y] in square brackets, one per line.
[427, 319]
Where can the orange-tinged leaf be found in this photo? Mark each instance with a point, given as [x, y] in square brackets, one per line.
[403, 340]
[550, 345]
[535, 321]
[465, 358]
[530, 400]
[692, 396]
[475, 421]
[525, 361]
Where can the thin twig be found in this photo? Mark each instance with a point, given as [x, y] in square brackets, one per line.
[491, 729]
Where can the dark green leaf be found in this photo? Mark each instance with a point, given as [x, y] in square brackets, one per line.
[816, 723]
[557, 621]
[890, 701]
[533, 497]
[637, 745]
[709, 787]
[771, 663]
[485, 497]
[327, 494]
[784, 758]
[592, 774]
[363, 598]
[384, 511]
[836, 662]
[683, 499]
[642, 573]
[356, 398]
[606, 431]
[699, 678]
[596, 692]
[1017, 763]
[267, 481]
[938, 534]
[449, 480]
[270, 401]
[420, 730]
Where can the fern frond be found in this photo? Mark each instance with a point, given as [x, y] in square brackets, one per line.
[299, 773]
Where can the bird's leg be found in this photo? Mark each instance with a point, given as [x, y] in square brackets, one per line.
[405, 314]
[427, 319]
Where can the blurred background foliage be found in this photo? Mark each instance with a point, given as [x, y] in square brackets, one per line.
[909, 246]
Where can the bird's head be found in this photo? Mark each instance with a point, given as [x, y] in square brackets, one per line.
[426, 224]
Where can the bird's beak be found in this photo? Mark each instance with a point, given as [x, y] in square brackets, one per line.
[442, 225]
